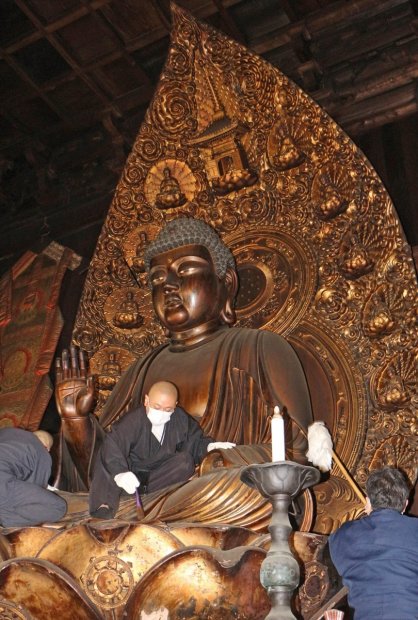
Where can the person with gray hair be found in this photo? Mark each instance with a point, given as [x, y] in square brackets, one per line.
[377, 556]
[387, 488]
[25, 468]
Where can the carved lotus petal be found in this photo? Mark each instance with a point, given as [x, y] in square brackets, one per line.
[43, 591]
[203, 583]
[216, 536]
[28, 541]
[233, 181]
[395, 384]
[140, 547]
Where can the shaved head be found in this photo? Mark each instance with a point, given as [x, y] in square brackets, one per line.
[163, 388]
[45, 439]
[162, 395]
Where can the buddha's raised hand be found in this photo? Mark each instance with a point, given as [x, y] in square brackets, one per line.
[74, 390]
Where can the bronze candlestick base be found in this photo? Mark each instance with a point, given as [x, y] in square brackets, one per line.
[280, 482]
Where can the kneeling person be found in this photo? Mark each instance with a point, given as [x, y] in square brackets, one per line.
[151, 447]
[25, 468]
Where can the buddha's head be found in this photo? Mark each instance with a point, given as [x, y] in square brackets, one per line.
[193, 278]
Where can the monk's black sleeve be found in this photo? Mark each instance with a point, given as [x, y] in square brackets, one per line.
[118, 443]
[195, 442]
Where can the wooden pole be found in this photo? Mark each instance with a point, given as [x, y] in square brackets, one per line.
[348, 477]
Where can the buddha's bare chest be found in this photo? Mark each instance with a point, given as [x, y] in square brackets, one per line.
[191, 371]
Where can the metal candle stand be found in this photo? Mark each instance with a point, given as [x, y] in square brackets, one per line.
[280, 482]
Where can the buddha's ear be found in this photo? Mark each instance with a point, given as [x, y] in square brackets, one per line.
[228, 315]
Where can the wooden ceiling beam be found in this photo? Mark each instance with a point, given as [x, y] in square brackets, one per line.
[54, 26]
[38, 90]
[162, 14]
[366, 45]
[234, 31]
[346, 12]
[67, 57]
[121, 49]
[288, 8]
[362, 89]
[337, 13]
[377, 110]
[356, 128]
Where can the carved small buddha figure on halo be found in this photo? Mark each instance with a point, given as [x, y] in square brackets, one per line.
[381, 321]
[128, 315]
[110, 373]
[137, 260]
[287, 155]
[395, 393]
[170, 194]
[333, 202]
[356, 261]
[229, 379]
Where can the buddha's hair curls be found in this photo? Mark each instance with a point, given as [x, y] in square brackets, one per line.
[187, 231]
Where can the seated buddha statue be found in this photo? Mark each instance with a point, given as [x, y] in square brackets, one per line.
[333, 202]
[381, 321]
[110, 373]
[138, 259]
[395, 393]
[356, 261]
[287, 155]
[170, 194]
[128, 315]
[229, 378]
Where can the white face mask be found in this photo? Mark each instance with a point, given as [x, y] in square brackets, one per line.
[158, 417]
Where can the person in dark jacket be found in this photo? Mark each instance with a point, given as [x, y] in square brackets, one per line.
[151, 447]
[25, 468]
[377, 556]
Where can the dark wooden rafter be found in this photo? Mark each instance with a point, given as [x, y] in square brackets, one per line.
[37, 89]
[162, 13]
[54, 26]
[121, 52]
[230, 23]
[290, 8]
[99, 92]
[358, 59]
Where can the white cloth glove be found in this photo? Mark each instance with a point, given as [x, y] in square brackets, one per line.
[127, 481]
[220, 445]
[51, 488]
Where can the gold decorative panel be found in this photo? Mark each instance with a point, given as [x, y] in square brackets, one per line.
[320, 251]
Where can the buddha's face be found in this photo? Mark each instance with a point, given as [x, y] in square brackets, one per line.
[186, 290]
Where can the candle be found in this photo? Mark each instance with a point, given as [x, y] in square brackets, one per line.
[277, 436]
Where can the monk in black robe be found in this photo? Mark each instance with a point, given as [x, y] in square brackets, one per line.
[151, 447]
[25, 468]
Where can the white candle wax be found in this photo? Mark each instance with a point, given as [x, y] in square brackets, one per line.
[277, 436]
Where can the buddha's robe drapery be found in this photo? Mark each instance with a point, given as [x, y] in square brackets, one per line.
[243, 389]
[249, 368]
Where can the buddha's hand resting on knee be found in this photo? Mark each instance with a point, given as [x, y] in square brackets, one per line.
[127, 481]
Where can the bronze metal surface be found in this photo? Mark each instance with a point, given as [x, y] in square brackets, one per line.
[319, 247]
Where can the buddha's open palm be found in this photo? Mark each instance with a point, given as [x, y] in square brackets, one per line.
[74, 390]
